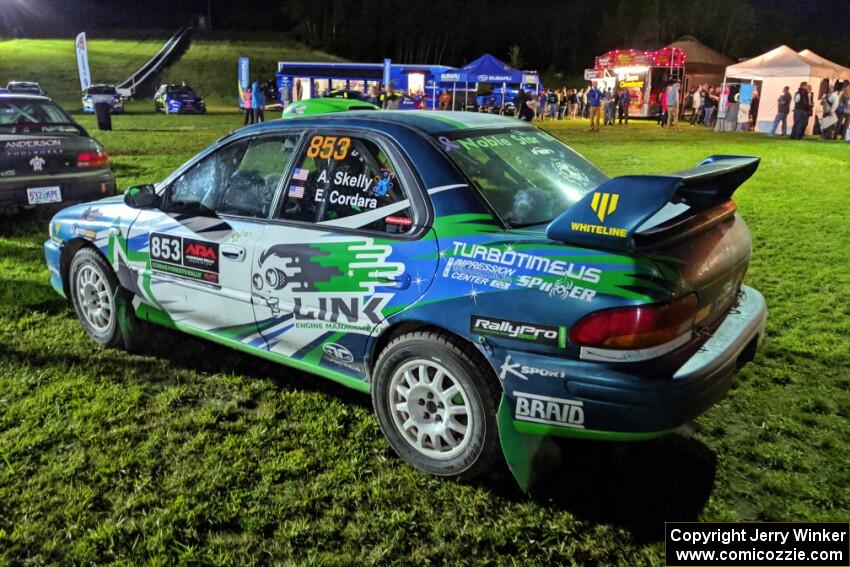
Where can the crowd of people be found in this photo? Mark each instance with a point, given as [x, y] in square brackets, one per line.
[610, 106]
[704, 105]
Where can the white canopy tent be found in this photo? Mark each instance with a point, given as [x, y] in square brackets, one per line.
[779, 68]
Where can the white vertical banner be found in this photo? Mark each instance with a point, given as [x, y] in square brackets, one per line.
[83, 61]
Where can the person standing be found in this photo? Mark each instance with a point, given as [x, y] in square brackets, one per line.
[783, 107]
[802, 111]
[594, 100]
[445, 99]
[623, 106]
[662, 120]
[552, 101]
[754, 109]
[607, 97]
[843, 112]
[829, 120]
[524, 111]
[573, 103]
[247, 106]
[697, 105]
[258, 103]
[673, 107]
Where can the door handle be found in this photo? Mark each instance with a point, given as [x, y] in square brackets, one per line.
[235, 253]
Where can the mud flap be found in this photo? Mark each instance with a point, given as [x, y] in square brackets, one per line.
[529, 457]
[133, 330]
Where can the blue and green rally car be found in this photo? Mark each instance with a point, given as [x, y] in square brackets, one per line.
[483, 282]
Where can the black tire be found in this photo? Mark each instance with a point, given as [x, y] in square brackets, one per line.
[121, 328]
[480, 396]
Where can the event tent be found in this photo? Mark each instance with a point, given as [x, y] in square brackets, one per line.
[485, 69]
[703, 65]
[841, 73]
[779, 68]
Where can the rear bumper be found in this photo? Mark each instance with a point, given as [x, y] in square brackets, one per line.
[580, 399]
[74, 188]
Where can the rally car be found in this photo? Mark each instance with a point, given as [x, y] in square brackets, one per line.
[178, 99]
[313, 106]
[46, 158]
[482, 281]
[107, 94]
[25, 87]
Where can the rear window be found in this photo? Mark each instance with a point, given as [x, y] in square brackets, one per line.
[181, 91]
[526, 175]
[40, 114]
[101, 90]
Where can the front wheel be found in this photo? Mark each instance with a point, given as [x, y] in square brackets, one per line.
[436, 404]
[103, 307]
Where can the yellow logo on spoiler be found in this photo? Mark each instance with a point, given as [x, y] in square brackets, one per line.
[604, 204]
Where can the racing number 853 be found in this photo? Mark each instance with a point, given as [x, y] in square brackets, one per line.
[326, 147]
[165, 248]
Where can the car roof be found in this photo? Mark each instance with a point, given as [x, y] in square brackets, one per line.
[428, 121]
[25, 96]
[24, 83]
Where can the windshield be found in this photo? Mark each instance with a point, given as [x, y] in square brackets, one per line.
[187, 91]
[101, 90]
[17, 114]
[526, 175]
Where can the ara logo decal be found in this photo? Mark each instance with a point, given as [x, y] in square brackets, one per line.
[604, 204]
[37, 163]
[186, 257]
[338, 352]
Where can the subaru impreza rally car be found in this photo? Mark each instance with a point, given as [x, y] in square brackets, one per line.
[46, 158]
[108, 94]
[178, 99]
[481, 280]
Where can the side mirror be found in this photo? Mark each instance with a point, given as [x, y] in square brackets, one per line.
[141, 197]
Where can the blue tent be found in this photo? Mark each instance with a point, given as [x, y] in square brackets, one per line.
[488, 69]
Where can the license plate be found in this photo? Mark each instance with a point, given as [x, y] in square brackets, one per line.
[40, 195]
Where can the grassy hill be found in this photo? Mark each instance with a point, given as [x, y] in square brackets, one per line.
[209, 65]
[53, 62]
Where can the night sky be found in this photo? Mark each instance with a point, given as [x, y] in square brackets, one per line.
[552, 35]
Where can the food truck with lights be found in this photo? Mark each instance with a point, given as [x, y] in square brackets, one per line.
[645, 74]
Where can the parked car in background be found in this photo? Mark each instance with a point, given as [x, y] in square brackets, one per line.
[96, 94]
[25, 87]
[312, 106]
[46, 158]
[178, 99]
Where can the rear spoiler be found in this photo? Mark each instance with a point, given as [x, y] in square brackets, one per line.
[612, 215]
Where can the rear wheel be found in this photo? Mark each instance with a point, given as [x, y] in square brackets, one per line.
[436, 404]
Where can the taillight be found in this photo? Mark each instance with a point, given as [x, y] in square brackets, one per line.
[636, 327]
[93, 159]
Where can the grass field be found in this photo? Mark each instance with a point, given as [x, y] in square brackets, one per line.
[209, 65]
[54, 62]
[191, 453]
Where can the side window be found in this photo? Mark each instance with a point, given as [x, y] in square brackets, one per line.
[250, 189]
[346, 181]
[238, 179]
[197, 187]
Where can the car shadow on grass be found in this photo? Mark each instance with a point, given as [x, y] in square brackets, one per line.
[191, 353]
[636, 486]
